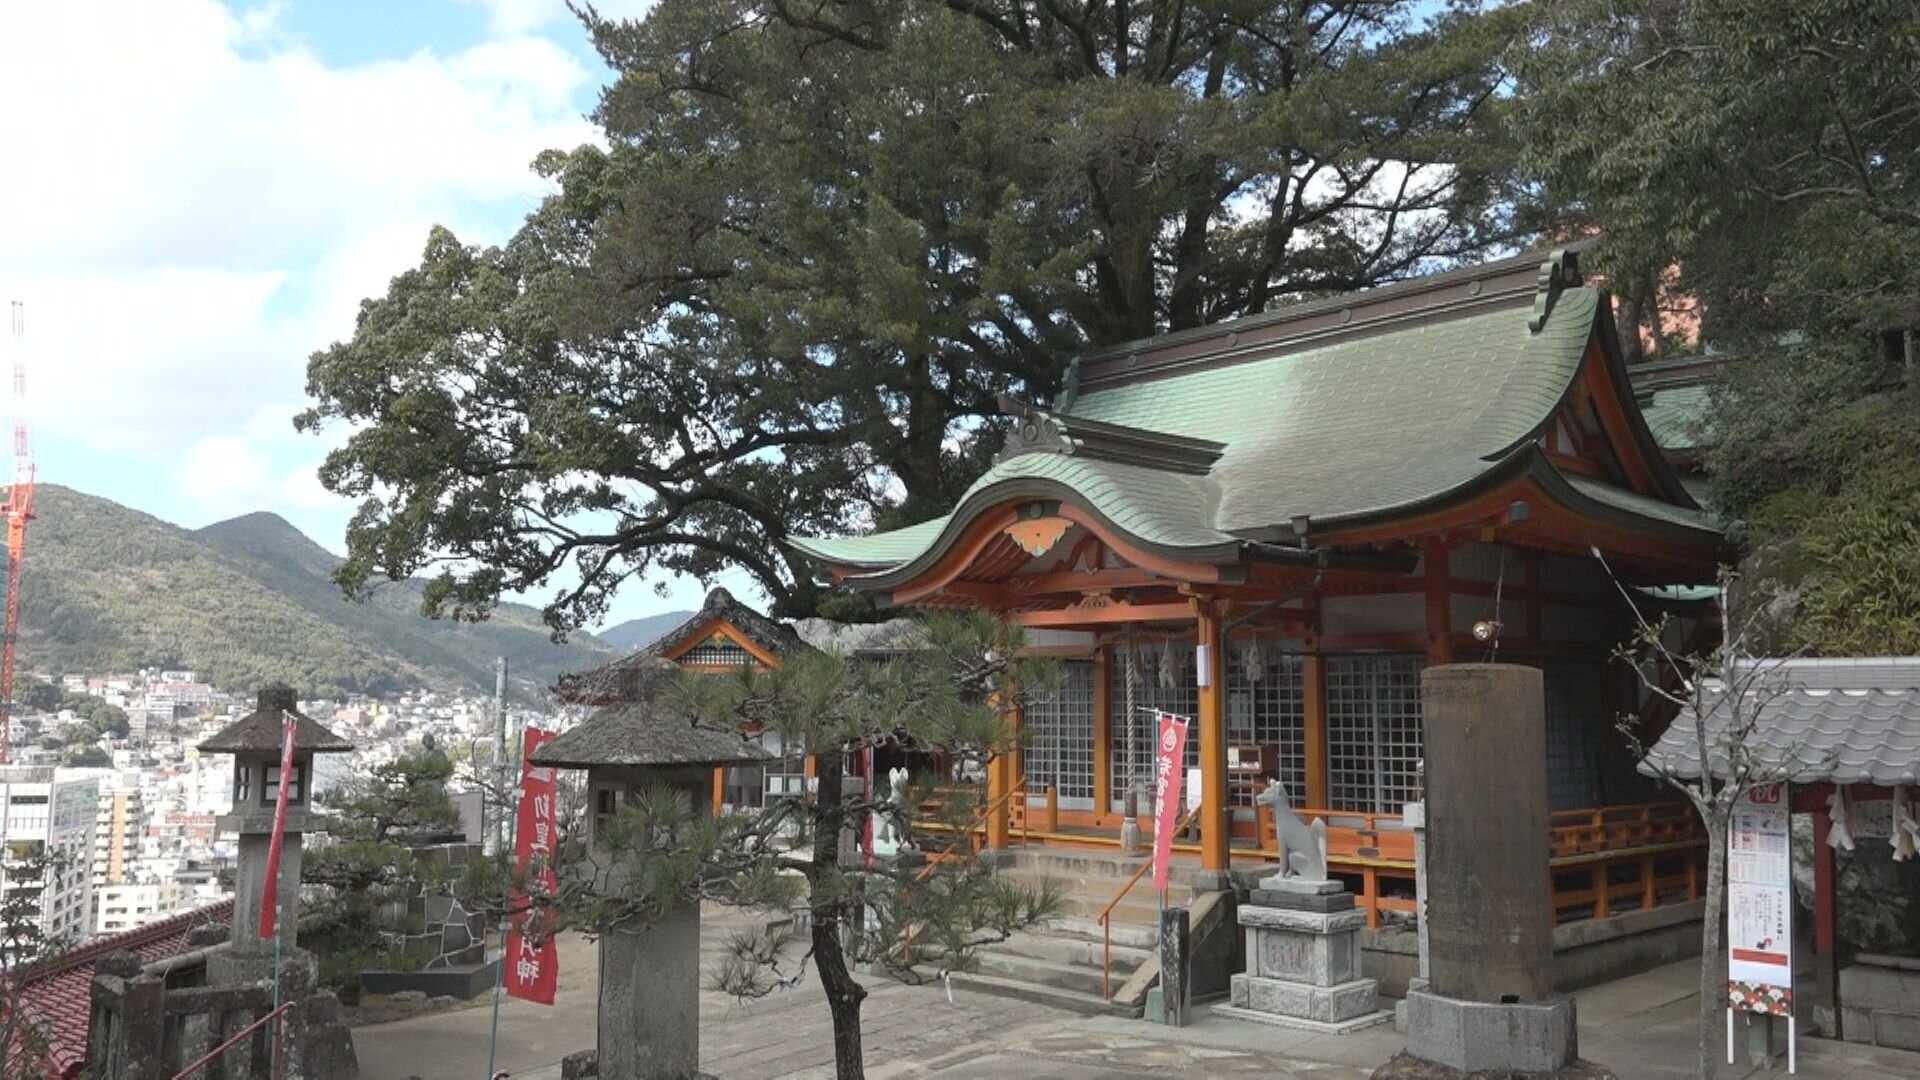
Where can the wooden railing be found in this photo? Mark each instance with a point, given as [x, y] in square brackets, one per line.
[1106, 913]
[1659, 845]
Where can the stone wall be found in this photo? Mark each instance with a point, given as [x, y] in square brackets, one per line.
[1585, 953]
[1880, 1002]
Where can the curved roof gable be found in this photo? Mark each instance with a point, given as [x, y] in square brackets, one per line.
[1339, 418]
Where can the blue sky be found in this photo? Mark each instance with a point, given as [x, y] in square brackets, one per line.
[209, 188]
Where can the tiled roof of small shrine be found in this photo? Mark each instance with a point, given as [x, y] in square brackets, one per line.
[1219, 437]
[630, 677]
[1844, 721]
[58, 995]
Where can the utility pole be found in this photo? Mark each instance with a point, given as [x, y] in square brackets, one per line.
[498, 836]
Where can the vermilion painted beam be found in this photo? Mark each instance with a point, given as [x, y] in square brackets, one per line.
[1118, 612]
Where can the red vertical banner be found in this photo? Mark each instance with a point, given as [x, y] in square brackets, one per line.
[270, 888]
[531, 956]
[1169, 761]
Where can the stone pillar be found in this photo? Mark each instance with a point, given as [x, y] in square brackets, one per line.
[1414, 814]
[649, 1010]
[1488, 891]
[249, 885]
[1488, 1005]
[1174, 960]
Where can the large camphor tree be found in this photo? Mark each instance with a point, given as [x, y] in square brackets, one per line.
[821, 239]
[1763, 161]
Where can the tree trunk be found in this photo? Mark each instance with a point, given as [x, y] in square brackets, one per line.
[1713, 984]
[844, 993]
[844, 996]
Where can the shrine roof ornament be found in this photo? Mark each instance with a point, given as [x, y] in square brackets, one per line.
[1207, 445]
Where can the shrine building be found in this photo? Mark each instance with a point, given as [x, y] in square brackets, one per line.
[1271, 525]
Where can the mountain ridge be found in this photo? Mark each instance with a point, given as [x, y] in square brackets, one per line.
[247, 600]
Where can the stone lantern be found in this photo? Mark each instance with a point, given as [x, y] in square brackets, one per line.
[649, 1014]
[254, 742]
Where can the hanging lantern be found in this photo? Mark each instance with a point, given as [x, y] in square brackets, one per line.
[1251, 658]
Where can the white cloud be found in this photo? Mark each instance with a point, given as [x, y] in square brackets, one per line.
[524, 16]
[193, 202]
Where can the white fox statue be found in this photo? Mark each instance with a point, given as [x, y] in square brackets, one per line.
[1303, 848]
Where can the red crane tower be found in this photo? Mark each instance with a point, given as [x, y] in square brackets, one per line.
[18, 510]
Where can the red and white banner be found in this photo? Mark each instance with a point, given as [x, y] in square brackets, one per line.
[270, 889]
[532, 960]
[1169, 759]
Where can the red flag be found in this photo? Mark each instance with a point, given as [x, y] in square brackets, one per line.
[1169, 767]
[532, 968]
[270, 890]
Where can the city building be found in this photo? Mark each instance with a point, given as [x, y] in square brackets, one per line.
[42, 814]
[119, 828]
[124, 906]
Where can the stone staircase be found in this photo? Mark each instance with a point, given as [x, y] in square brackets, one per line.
[1059, 964]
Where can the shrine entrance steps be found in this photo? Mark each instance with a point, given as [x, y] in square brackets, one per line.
[1061, 962]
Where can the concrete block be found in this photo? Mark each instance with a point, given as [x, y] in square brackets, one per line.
[1321, 1004]
[1870, 987]
[1900, 1031]
[1856, 1025]
[1306, 922]
[1321, 902]
[1319, 959]
[1476, 1036]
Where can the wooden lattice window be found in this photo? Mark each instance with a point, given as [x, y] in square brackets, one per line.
[1059, 736]
[1373, 732]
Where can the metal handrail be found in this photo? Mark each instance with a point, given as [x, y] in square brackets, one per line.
[230, 1043]
[1106, 913]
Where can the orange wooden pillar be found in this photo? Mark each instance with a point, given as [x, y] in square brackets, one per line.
[999, 782]
[1439, 605]
[719, 789]
[1313, 701]
[1215, 823]
[812, 769]
[1102, 739]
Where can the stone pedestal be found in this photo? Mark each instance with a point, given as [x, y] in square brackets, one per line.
[1303, 961]
[1479, 1036]
[649, 1020]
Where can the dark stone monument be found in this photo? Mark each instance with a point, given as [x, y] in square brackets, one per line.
[1489, 1005]
[1174, 938]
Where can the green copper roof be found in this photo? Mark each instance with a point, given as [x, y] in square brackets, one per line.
[1379, 419]
[1678, 417]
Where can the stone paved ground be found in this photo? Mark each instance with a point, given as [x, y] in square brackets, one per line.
[1640, 1027]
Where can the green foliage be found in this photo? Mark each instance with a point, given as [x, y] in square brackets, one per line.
[23, 1046]
[1765, 151]
[243, 602]
[1769, 153]
[953, 695]
[96, 718]
[367, 869]
[818, 241]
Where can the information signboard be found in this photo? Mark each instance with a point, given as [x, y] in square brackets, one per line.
[1760, 904]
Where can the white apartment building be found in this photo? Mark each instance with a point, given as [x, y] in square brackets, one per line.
[128, 907]
[40, 812]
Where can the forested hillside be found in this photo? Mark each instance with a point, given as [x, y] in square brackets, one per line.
[244, 601]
